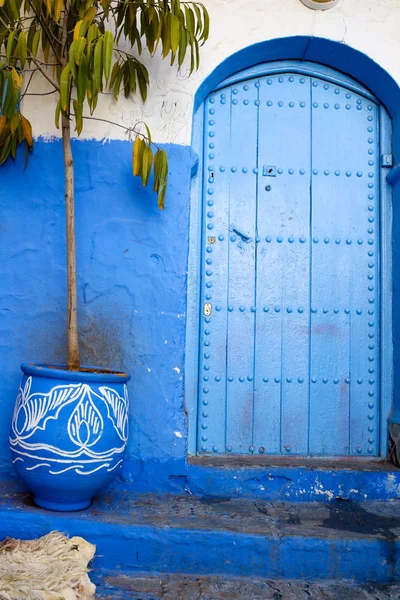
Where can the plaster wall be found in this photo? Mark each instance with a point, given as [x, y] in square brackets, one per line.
[132, 259]
[371, 26]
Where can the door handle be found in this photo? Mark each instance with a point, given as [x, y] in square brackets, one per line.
[244, 237]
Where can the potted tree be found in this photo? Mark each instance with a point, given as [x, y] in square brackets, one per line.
[69, 428]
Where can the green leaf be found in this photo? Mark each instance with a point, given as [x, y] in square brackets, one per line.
[14, 123]
[27, 129]
[11, 98]
[35, 43]
[127, 78]
[78, 110]
[143, 79]
[16, 79]
[206, 28]
[196, 53]
[132, 76]
[108, 46]
[148, 133]
[157, 169]
[91, 13]
[166, 35]
[182, 47]
[64, 89]
[5, 152]
[14, 9]
[114, 74]
[160, 176]
[199, 21]
[98, 64]
[3, 123]
[21, 48]
[118, 81]
[80, 45]
[147, 162]
[80, 29]
[138, 147]
[57, 115]
[82, 79]
[10, 43]
[72, 63]
[161, 197]
[57, 10]
[190, 24]
[174, 32]
[92, 33]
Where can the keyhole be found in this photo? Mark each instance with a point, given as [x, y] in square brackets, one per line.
[211, 175]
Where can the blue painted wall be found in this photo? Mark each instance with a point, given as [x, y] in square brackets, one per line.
[132, 281]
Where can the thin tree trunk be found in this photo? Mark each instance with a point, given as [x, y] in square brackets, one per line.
[73, 359]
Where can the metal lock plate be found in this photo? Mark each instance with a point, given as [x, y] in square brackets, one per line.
[269, 171]
[207, 309]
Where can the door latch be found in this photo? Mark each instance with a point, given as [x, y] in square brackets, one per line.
[207, 309]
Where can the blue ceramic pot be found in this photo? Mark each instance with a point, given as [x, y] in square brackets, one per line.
[69, 433]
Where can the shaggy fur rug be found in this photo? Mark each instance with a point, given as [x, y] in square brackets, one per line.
[53, 567]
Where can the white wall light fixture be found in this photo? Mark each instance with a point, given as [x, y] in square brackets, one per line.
[320, 4]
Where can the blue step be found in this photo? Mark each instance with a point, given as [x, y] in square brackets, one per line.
[225, 536]
[123, 586]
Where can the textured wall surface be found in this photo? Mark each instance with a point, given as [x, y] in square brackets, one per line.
[370, 26]
[132, 259]
[132, 277]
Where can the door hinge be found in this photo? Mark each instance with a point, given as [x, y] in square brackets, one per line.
[387, 160]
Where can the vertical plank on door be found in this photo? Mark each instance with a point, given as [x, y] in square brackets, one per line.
[331, 197]
[281, 391]
[364, 365]
[338, 330]
[241, 272]
[214, 274]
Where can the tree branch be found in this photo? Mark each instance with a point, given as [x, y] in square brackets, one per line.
[28, 84]
[43, 71]
[49, 33]
[127, 129]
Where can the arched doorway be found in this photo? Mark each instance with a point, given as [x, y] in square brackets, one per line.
[291, 264]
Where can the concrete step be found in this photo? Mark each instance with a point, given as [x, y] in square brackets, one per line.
[223, 536]
[121, 586]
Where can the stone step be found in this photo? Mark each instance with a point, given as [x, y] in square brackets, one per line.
[223, 536]
[122, 586]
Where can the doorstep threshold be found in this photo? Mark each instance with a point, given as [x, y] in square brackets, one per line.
[350, 463]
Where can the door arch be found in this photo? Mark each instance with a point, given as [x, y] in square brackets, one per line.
[289, 358]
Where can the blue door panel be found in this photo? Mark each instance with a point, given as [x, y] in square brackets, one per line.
[283, 266]
[343, 169]
[213, 340]
[241, 261]
[289, 347]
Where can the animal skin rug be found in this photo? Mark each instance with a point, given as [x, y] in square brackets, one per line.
[53, 567]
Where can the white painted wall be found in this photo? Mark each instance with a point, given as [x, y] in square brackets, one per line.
[371, 26]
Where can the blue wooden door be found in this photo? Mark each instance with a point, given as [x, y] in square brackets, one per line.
[289, 334]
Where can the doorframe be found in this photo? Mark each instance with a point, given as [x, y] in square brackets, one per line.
[310, 69]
